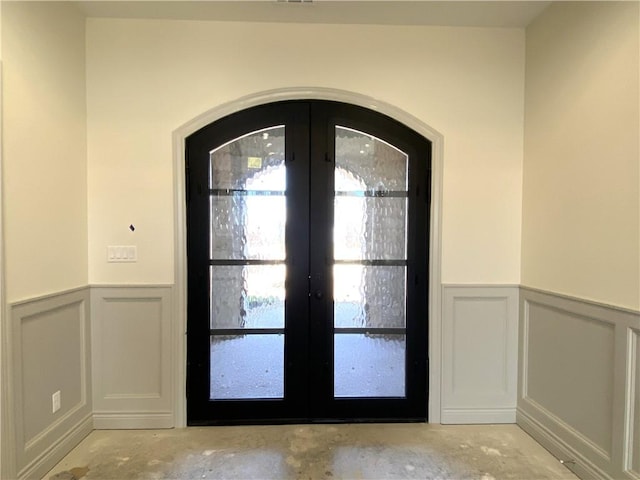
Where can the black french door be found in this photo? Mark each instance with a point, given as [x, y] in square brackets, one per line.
[307, 244]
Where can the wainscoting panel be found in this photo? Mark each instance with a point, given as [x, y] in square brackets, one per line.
[633, 459]
[51, 353]
[576, 363]
[577, 381]
[131, 336]
[480, 340]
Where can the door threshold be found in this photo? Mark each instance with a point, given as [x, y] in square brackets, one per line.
[302, 421]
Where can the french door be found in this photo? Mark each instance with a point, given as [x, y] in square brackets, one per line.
[307, 244]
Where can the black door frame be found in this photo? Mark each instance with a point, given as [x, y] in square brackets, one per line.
[316, 163]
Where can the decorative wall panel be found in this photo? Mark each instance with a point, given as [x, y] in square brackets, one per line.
[576, 363]
[577, 382]
[132, 357]
[51, 354]
[479, 354]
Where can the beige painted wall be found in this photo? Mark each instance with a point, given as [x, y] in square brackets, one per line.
[44, 148]
[147, 78]
[581, 197]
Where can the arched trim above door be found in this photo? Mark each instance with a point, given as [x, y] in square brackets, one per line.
[180, 264]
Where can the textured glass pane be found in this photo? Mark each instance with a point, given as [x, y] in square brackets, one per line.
[368, 163]
[248, 227]
[249, 296]
[254, 161]
[370, 228]
[247, 366]
[369, 365]
[369, 296]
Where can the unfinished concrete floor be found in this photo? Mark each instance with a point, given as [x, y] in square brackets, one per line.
[365, 451]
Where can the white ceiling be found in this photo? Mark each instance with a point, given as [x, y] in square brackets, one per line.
[378, 12]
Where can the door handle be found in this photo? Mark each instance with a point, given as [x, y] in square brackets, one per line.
[318, 294]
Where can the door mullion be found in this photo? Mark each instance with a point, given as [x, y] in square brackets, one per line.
[321, 255]
[297, 375]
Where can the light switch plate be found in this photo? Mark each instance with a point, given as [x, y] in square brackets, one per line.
[122, 253]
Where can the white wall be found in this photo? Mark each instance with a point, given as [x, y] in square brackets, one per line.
[147, 78]
[44, 148]
[581, 200]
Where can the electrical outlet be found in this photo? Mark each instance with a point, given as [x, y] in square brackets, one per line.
[55, 401]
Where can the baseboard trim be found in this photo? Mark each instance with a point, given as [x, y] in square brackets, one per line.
[57, 451]
[581, 466]
[132, 420]
[461, 416]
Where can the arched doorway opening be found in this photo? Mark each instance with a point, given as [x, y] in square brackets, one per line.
[322, 317]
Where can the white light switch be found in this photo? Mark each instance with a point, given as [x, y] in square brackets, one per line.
[122, 253]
